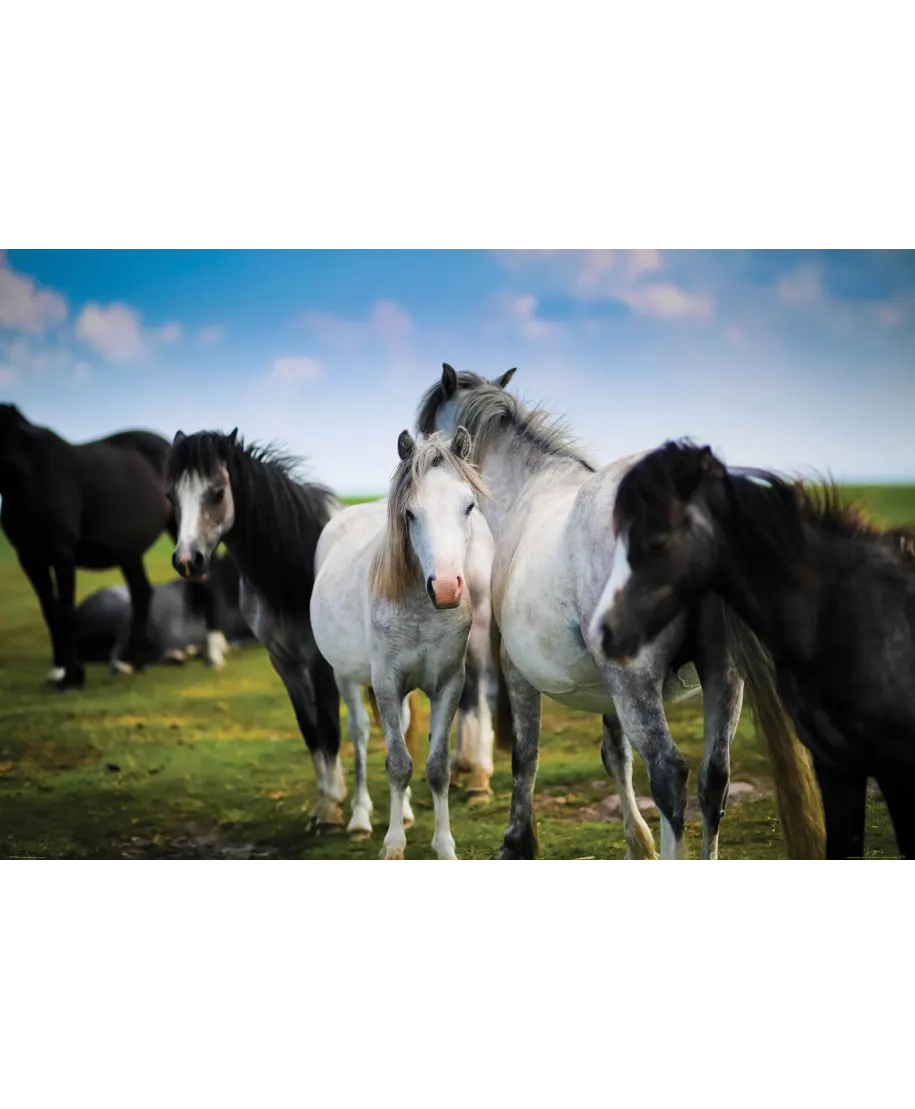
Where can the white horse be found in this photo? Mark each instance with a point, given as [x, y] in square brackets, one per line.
[391, 610]
[551, 516]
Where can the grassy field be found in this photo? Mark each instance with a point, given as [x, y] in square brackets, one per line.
[185, 762]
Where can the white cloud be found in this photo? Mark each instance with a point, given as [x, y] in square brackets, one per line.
[7, 375]
[82, 371]
[668, 302]
[802, 288]
[387, 323]
[300, 368]
[24, 305]
[212, 333]
[118, 334]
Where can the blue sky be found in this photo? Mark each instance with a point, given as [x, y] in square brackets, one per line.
[787, 359]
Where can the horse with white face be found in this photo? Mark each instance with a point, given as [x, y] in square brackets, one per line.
[392, 609]
[251, 499]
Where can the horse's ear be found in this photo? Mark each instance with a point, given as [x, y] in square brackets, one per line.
[449, 381]
[460, 443]
[179, 435]
[506, 377]
[405, 445]
[231, 438]
[710, 466]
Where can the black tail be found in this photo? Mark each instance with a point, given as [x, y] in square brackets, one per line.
[797, 794]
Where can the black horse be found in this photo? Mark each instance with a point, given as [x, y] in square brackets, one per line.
[251, 499]
[831, 598]
[94, 505]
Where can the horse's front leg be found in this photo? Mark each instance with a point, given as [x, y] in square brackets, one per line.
[520, 840]
[640, 708]
[397, 763]
[360, 825]
[297, 679]
[438, 771]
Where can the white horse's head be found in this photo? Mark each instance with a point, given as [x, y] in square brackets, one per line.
[439, 407]
[432, 498]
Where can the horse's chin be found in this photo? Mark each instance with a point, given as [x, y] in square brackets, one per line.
[442, 607]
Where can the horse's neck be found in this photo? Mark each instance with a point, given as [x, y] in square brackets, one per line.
[514, 478]
[783, 613]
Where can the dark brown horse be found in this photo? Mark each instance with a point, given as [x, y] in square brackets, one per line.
[94, 505]
[830, 596]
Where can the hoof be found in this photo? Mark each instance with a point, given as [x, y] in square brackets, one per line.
[479, 783]
[119, 666]
[358, 835]
[393, 853]
[55, 674]
[177, 658]
[506, 853]
[330, 816]
[479, 800]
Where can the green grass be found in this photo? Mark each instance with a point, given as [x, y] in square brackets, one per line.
[187, 762]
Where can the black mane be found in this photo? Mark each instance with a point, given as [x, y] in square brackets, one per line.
[776, 514]
[278, 516]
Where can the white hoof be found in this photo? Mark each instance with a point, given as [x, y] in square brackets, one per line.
[444, 850]
[119, 666]
[56, 674]
[360, 825]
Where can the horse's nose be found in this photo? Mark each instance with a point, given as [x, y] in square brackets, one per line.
[606, 640]
[445, 592]
[188, 562]
[180, 562]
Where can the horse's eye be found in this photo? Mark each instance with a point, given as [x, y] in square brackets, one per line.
[169, 497]
[469, 509]
[656, 543]
[410, 516]
[219, 496]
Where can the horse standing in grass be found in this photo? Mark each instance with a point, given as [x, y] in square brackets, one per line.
[398, 586]
[92, 505]
[830, 598]
[550, 515]
[250, 498]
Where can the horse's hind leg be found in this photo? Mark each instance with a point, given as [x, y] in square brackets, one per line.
[327, 706]
[74, 674]
[360, 824]
[897, 784]
[39, 575]
[444, 706]
[475, 736]
[140, 598]
[722, 697]
[616, 753]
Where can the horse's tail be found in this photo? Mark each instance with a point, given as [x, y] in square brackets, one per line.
[796, 792]
[413, 731]
[504, 722]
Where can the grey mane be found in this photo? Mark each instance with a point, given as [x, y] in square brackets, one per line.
[487, 410]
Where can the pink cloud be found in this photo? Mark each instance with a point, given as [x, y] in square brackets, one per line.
[802, 288]
[387, 323]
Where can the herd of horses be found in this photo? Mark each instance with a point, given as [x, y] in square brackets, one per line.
[504, 565]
